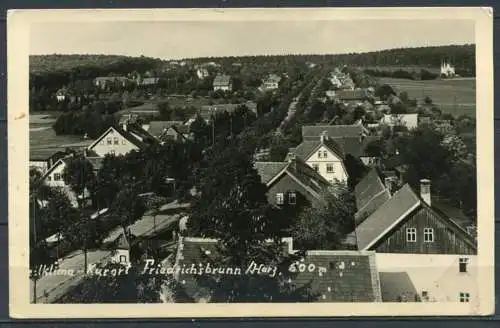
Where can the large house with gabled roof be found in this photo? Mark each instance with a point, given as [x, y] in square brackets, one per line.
[120, 140]
[325, 156]
[53, 177]
[402, 221]
[292, 183]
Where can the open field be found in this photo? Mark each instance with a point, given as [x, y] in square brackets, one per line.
[434, 70]
[454, 96]
[41, 134]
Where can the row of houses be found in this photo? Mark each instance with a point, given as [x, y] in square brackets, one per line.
[404, 248]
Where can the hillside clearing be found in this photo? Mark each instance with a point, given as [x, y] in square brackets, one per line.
[454, 96]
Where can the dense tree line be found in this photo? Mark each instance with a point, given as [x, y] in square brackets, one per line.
[403, 74]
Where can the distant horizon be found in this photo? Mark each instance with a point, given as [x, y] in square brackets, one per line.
[252, 55]
[176, 40]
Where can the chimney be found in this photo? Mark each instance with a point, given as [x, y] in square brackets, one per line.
[292, 160]
[324, 136]
[425, 190]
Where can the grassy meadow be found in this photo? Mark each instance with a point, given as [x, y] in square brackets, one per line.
[454, 96]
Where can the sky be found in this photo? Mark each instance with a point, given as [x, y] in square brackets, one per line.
[177, 40]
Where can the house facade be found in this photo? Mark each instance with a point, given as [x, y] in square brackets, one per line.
[292, 183]
[121, 253]
[54, 179]
[429, 277]
[325, 156]
[222, 82]
[105, 81]
[407, 223]
[202, 73]
[271, 82]
[120, 141]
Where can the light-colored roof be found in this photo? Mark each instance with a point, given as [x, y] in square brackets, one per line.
[222, 80]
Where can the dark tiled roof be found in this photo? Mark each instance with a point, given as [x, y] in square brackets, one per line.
[351, 94]
[45, 153]
[268, 170]
[349, 276]
[386, 216]
[311, 179]
[313, 132]
[453, 213]
[354, 145]
[182, 129]
[298, 169]
[156, 128]
[370, 194]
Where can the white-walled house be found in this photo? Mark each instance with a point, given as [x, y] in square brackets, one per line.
[121, 253]
[54, 178]
[429, 277]
[120, 141]
[410, 121]
[325, 156]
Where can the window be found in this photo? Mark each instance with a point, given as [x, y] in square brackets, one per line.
[279, 198]
[319, 154]
[109, 141]
[325, 154]
[462, 264]
[464, 297]
[116, 141]
[123, 259]
[57, 176]
[292, 198]
[49, 178]
[316, 167]
[329, 168]
[411, 235]
[425, 294]
[428, 235]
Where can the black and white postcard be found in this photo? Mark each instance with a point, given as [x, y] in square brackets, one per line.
[250, 162]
